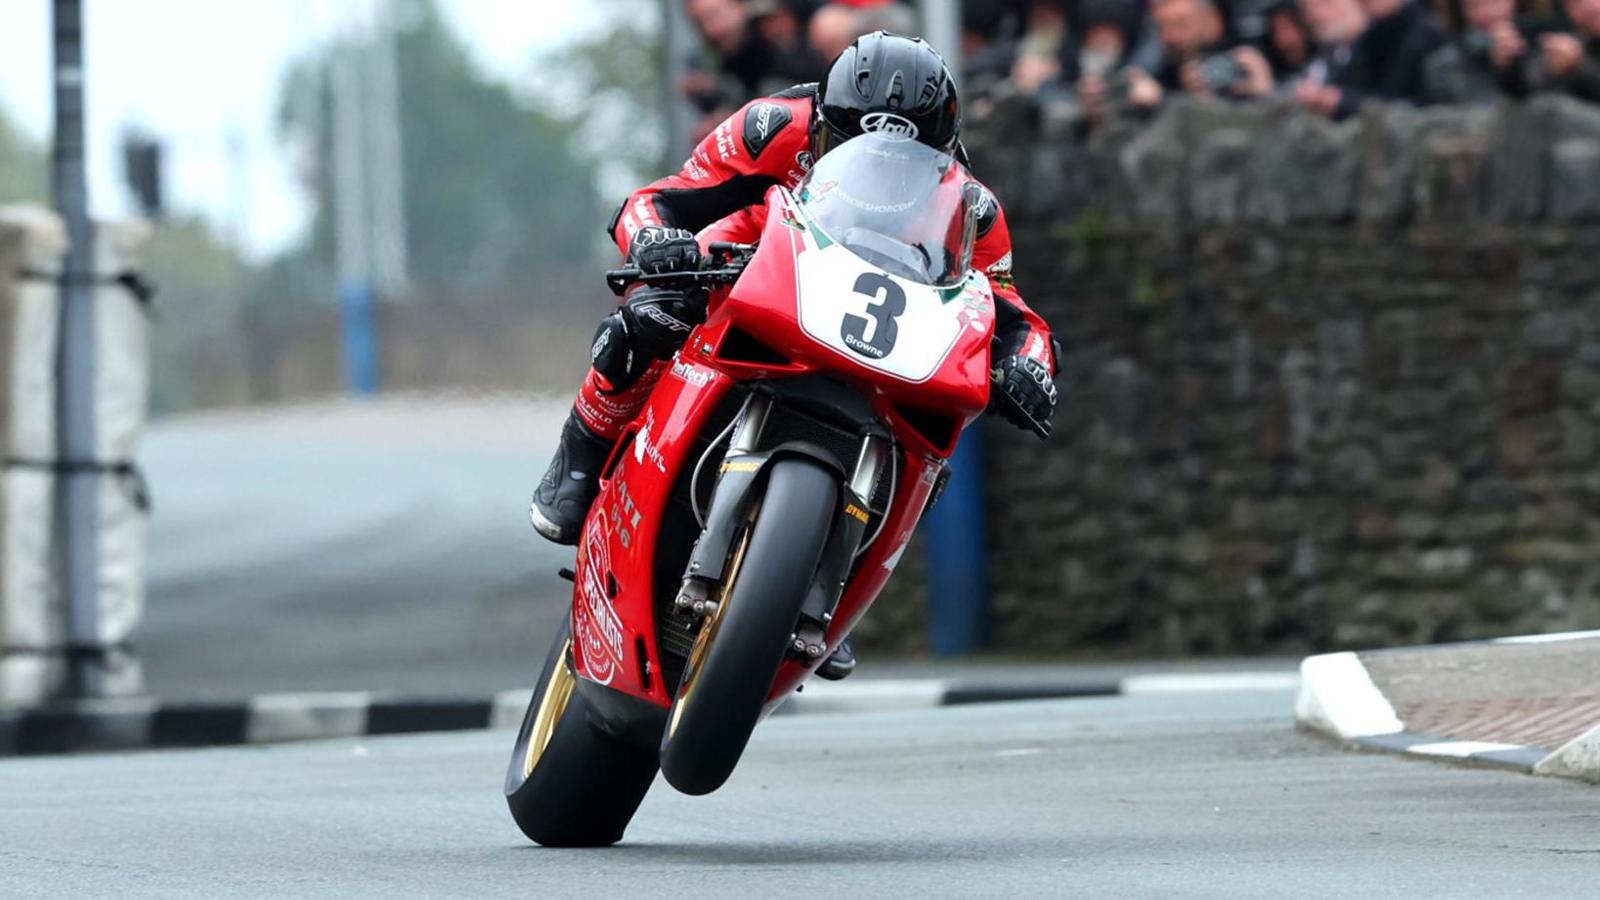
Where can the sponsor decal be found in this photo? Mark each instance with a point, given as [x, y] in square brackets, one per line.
[762, 123]
[741, 465]
[688, 371]
[626, 514]
[864, 348]
[661, 317]
[891, 126]
[695, 167]
[802, 163]
[987, 211]
[1036, 350]
[899, 550]
[724, 138]
[856, 512]
[595, 621]
[643, 449]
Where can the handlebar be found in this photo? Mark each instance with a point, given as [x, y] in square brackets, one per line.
[734, 257]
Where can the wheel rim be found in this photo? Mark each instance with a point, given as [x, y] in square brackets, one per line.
[557, 693]
[707, 635]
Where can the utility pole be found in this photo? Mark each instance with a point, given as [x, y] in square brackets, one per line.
[356, 301]
[941, 27]
[676, 45]
[78, 484]
[387, 158]
[956, 530]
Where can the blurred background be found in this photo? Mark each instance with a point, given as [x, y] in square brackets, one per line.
[1323, 270]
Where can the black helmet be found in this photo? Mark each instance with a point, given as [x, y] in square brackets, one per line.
[887, 82]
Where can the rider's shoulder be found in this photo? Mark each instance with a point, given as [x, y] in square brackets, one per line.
[988, 207]
[767, 120]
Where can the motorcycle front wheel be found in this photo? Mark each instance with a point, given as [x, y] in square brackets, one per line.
[570, 784]
[743, 642]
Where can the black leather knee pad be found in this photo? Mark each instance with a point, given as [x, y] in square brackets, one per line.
[613, 353]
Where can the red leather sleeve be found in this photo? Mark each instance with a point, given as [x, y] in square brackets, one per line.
[1018, 327]
[749, 152]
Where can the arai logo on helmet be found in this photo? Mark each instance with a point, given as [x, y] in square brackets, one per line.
[891, 126]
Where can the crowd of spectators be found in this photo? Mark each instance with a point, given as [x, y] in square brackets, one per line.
[1094, 55]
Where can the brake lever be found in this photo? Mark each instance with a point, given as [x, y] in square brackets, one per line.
[619, 280]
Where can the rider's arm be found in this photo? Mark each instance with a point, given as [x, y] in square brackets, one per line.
[752, 150]
[1019, 329]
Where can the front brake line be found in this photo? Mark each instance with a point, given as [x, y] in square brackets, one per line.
[694, 480]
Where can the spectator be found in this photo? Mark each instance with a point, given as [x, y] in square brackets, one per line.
[1573, 61]
[1288, 46]
[726, 27]
[782, 28]
[1333, 77]
[1400, 36]
[988, 45]
[832, 29]
[1039, 53]
[835, 25]
[1197, 57]
[1488, 58]
[1107, 27]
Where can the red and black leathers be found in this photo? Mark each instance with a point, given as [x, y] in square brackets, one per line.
[719, 195]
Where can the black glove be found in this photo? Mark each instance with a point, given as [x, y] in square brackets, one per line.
[656, 250]
[659, 320]
[1023, 393]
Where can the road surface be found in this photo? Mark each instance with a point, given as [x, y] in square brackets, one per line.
[1194, 795]
[384, 545]
[380, 546]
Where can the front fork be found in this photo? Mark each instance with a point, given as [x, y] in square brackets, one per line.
[741, 468]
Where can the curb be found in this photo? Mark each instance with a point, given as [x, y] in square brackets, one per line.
[143, 723]
[1339, 699]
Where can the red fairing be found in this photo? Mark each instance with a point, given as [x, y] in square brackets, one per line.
[1021, 329]
[615, 602]
[612, 613]
[765, 303]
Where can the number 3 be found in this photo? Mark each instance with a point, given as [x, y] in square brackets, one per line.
[885, 329]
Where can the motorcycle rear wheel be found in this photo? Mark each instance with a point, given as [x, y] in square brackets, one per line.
[570, 784]
[741, 645]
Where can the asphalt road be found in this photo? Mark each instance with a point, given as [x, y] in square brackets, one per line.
[380, 546]
[385, 546]
[1208, 795]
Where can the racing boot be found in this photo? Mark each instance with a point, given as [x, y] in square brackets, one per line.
[563, 498]
[839, 664]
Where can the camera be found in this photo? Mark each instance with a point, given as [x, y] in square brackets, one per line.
[1220, 72]
[1477, 45]
[1118, 87]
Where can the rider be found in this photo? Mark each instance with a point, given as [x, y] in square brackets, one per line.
[881, 80]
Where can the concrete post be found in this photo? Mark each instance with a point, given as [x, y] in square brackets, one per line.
[38, 640]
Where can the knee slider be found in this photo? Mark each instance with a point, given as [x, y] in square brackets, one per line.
[613, 354]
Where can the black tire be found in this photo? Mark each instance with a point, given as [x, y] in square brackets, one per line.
[726, 681]
[585, 785]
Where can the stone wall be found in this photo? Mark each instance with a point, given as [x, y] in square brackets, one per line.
[1325, 384]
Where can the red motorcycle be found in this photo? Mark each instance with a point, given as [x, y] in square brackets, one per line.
[764, 496]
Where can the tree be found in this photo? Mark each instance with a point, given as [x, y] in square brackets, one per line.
[24, 168]
[198, 280]
[494, 194]
[616, 76]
